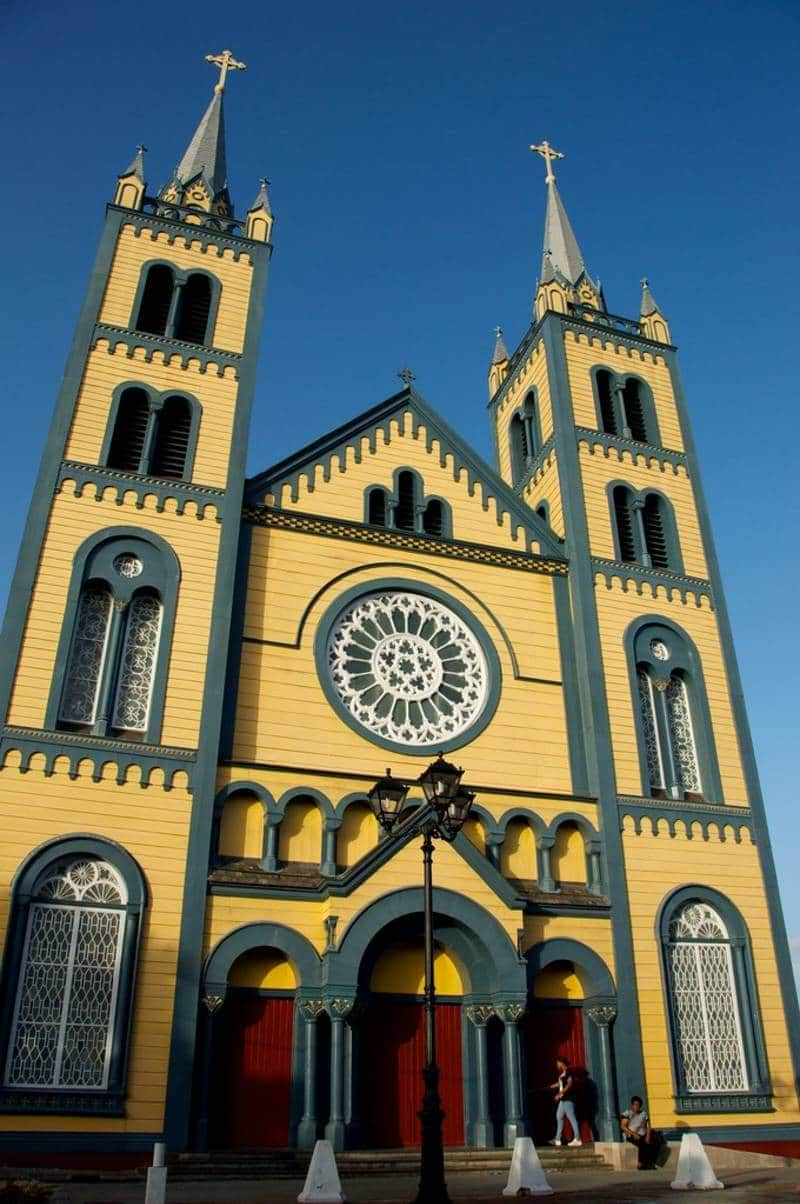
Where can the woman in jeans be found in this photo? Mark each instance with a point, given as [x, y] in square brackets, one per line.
[564, 1089]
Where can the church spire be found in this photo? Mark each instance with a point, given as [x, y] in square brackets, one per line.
[201, 177]
[560, 242]
[654, 324]
[498, 369]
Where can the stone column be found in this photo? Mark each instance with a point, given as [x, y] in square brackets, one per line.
[639, 533]
[511, 1014]
[602, 1016]
[310, 1010]
[482, 1135]
[270, 858]
[544, 845]
[338, 1009]
[595, 873]
[211, 1005]
[328, 864]
[493, 842]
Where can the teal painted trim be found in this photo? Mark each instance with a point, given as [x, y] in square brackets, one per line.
[746, 750]
[25, 1141]
[594, 705]
[78, 747]
[619, 380]
[180, 277]
[305, 792]
[421, 501]
[712, 820]
[235, 641]
[348, 437]
[628, 574]
[665, 459]
[205, 497]
[109, 1101]
[759, 1091]
[183, 1047]
[22, 584]
[687, 659]
[356, 796]
[490, 875]
[343, 601]
[576, 745]
[93, 561]
[599, 980]
[488, 955]
[732, 1134]
[271, 817]
[744, 1101]
[670, 526]
[257, 935]
[213, 238]
[156, 402]
[153, 344]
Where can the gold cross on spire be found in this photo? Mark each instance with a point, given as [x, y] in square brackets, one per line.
[548, 154]
[226, 62]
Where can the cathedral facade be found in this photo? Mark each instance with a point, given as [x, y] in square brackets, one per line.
[206, 936]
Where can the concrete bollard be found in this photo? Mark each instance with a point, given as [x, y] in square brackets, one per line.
[322, 1184]
[526, 1177]
[694, 1172]
[156, 1190]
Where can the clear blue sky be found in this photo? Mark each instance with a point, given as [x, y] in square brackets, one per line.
[409, 217]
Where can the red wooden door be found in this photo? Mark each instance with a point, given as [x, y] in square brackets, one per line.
[392, 1055]
[550, 1033]
[254, 1074]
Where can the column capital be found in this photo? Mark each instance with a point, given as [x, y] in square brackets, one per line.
[480, 1013]
[311, 1009]
[212, 1003]
[602, 1014]
[339, 1007]
[511, 1011]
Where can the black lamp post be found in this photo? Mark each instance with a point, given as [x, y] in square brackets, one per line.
[448, 806]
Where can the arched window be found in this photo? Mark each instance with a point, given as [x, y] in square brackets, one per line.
[608, 411]
[675, 739]
[521, 436]
[130, 431]
[634, 410]
[152, 435]
[376, 507]
[73, 937]
[405, 505]
[194, 306]
[716, 1037]
[156, 302]
[433, 518]
[173, 429]
[625, 407]
[655, 536]
[624, 518]
[111, 663]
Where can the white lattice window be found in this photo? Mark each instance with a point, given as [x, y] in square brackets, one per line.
[407, 668]
[705, 1007]
[652, 744]
[86, 656]
[64, 1011]
[137, 664]
[681, 735]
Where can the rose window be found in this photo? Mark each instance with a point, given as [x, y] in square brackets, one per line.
[407, 668]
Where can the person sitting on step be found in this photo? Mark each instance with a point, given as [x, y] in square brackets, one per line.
[635, 1125]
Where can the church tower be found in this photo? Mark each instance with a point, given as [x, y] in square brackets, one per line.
[114, 645]
[591, 428]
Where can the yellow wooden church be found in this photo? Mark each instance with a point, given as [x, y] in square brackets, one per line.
[207, 938]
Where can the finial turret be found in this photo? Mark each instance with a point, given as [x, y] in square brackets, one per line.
[259, 216]
[131, 185]
[548, 154]
[498, 369]
[654, 324]
[226, 62]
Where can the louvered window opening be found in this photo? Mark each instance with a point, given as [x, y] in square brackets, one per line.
[404, 510]
[705, 1007]
[433, 518]
[608, 413]
[86, 657]
[634, 411]
[376, 508]
[654, 533]
[623, 513]
[193, 310]
[130, 431]
[156, 300]
[62, 1026]
[172, 439]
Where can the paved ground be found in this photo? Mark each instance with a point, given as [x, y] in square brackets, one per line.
[609, 1186]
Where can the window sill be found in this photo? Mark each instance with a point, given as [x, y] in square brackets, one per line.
[747, 1101]
[62, 1103]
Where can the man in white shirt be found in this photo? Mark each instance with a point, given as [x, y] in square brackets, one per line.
[635, 1125]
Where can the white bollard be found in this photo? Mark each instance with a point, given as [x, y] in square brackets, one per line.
[694, 1169]
[156, 1190]
[322, 1184]
[526, 1177]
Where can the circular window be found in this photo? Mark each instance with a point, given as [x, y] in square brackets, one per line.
[128, 565]
[659, 650]
[408, 669]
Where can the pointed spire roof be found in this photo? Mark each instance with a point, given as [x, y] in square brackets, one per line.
[262, 199]
[560, 243]
[136, 165]
[649, 304]
[205, 154]
[500, 351]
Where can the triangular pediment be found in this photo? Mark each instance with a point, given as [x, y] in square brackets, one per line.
[311, 479]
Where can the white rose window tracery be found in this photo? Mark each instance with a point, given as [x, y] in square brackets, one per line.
[407, 668]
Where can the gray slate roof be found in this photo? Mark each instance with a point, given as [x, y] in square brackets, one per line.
[205, 154]
[559, 239]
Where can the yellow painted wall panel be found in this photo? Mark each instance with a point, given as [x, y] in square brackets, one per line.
[357, 835]
[301, 833]
[400, 970]
[532, 374]
[545, 487]
[568, 855]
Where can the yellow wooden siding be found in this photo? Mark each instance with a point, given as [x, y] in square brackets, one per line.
[655, 867]
[545, 487]
[342, 496]
[598, 471]
[241, 828]
[518, 851]
[400, 970]
[595, 933]
[108, 366]
[136, 247]
[73, 520]
[532, 374]
[357, 835]
[475, 833]
[585, 352]
[152, 825]
[616, 610]
[281, 706]
[558, 981]
[568, 856]
[301, 833]
[264, 969]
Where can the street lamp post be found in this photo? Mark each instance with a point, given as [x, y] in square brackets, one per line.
[448, 805]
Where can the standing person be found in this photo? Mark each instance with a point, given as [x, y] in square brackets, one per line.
[635, 1125]
[564, 1088]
